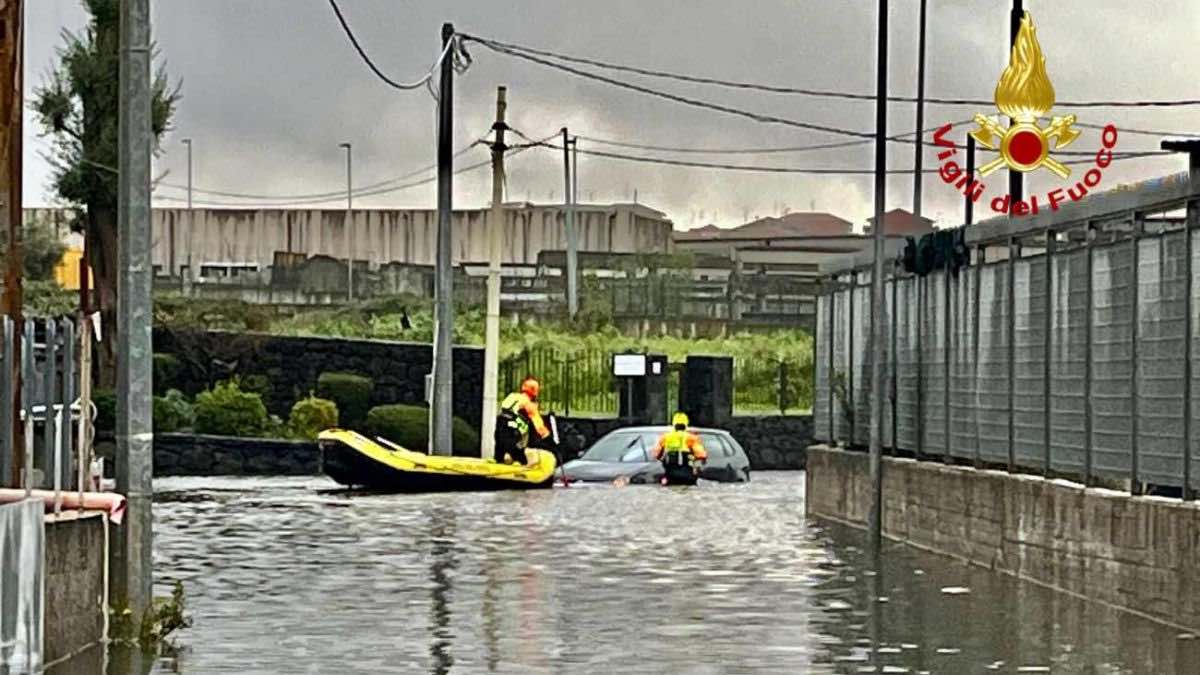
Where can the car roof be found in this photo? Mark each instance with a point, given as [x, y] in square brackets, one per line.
[661, 427]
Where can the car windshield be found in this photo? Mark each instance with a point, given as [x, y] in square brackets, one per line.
[622, 447]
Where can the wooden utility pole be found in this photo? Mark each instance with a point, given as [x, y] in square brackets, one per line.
[491, 341]
[12, 42]
[442, 406]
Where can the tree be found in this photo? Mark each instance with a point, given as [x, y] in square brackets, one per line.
[43, 250]
[77, 106]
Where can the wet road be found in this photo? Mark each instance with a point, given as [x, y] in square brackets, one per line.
[281, 578]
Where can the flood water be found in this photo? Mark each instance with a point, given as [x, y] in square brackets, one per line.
[283, 578]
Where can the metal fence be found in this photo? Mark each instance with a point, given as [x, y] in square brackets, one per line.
[44, 449]
[1066, 348]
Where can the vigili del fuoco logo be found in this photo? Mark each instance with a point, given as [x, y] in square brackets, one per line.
[1024, 95]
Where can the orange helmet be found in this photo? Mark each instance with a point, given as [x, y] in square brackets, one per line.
[530, 387]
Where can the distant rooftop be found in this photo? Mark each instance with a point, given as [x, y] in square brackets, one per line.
[799, 224]
[900, 222]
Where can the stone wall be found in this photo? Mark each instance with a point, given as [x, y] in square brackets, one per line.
[75, 560]
[1137, 553]
[293, 364]
[772, 442]
[199, 455]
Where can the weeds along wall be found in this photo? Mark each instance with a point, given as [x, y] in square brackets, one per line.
[1067, 347]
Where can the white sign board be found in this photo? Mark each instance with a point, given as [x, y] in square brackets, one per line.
[629, 365]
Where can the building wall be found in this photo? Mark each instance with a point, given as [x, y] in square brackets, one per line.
[395, 235]
[75, 568]
[1136, 553]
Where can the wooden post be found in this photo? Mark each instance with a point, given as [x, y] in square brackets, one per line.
[12, 41]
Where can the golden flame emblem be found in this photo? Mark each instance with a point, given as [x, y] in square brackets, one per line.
[1025, 94]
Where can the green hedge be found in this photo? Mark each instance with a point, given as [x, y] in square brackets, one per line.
[226, 410]
[351, 393]
[105, 401]
[172, 412]
[408, 426]
[166, 373]
[310, 416]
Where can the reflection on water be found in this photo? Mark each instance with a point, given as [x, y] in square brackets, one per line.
[282, 578]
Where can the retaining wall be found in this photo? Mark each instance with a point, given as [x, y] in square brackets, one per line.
[200, 455]
[74, 611]
[1137, 553]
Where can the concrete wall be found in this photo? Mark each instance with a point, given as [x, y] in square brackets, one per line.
[293, 364]
[75, 561]
[397, 235]
[1137, 553]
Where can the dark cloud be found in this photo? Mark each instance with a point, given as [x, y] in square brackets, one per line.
[272, 86]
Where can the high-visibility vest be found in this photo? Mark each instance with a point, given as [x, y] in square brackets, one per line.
[512, 409]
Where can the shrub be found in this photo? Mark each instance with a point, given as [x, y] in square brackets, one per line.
[105, 401]
[226, 410]
[312, 415]
[351, 393]
[172, 412]
[408, 426]
[166, 372]
[256, 384]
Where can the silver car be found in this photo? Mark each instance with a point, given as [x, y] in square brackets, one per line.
[625, 454]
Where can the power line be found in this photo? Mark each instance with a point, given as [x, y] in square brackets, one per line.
[757, 117]
[513, 49]
[405, 86]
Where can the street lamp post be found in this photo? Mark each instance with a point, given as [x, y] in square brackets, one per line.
[349, 222]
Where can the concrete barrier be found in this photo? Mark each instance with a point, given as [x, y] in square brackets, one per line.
[1140, 554]
[76, 561]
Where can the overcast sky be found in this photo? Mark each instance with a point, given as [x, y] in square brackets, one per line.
[271, 87]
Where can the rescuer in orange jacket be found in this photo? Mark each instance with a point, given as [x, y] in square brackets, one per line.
[681, 452]
[518, 415]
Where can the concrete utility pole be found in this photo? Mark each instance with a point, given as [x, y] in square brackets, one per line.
[187, 280]
[349, 226]
[442, 405]
[919, 162]
[879, 315]
[135, 434]
[12, 46]
[968, 204]
[572, 238]
[1016, 180]
[491, 340]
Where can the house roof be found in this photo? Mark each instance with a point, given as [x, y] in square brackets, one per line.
[799, 224]
[899, 221]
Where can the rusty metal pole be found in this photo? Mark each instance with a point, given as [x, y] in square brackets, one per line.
[12, 42]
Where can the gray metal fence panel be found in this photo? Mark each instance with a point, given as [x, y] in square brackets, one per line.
[991, 377]
[963, 403]
[820, 407]
[932, 364]
[841, 361]
[22, 585]
[1160, 348]
[862, 364]
[1195, 412]
[1112, 305]
[1029, 413]
[889, 326]
[906, 363]
[1068, 362]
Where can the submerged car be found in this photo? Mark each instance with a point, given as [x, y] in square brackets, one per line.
[625, 454]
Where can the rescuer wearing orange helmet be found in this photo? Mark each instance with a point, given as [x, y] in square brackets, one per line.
[680, 451]
[518, 413]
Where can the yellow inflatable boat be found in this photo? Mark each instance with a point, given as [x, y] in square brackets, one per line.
[357, 461]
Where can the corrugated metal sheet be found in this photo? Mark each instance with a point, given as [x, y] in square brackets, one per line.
[906, 363]
[841, 361]
[821, 408]
[22, 579]
[963, 389]
[933, 360]
[862, 365]
[1112, 307]
[991, 373]
[1068, 353]
[1029, 412]
[1160, 347]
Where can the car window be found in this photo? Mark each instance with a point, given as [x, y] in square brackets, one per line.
[613, 447]
[715, 445]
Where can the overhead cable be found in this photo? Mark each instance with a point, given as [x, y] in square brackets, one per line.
[449, 50]
[513, 49]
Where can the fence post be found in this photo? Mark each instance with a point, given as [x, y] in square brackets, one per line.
[1137, 225]
[894, 315]
[66, 467]
[850, 360]
[6, 400]
[49, 432]
[1048, 325]
[981, 258]
[1193, 215]
[782, 387]
[1014, 251]
[920, 424]
[1087, 361]
[27, 376]
[833, 294]
[946, 456]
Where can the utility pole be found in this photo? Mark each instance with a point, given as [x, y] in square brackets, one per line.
[879, 313]
[491, 340]
[349, 228]
[1016, 181]
[968, 204]
[135, 433]
[12, 104]
[442, 406]
[187, 280]
[919, 162]
[572, 238]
